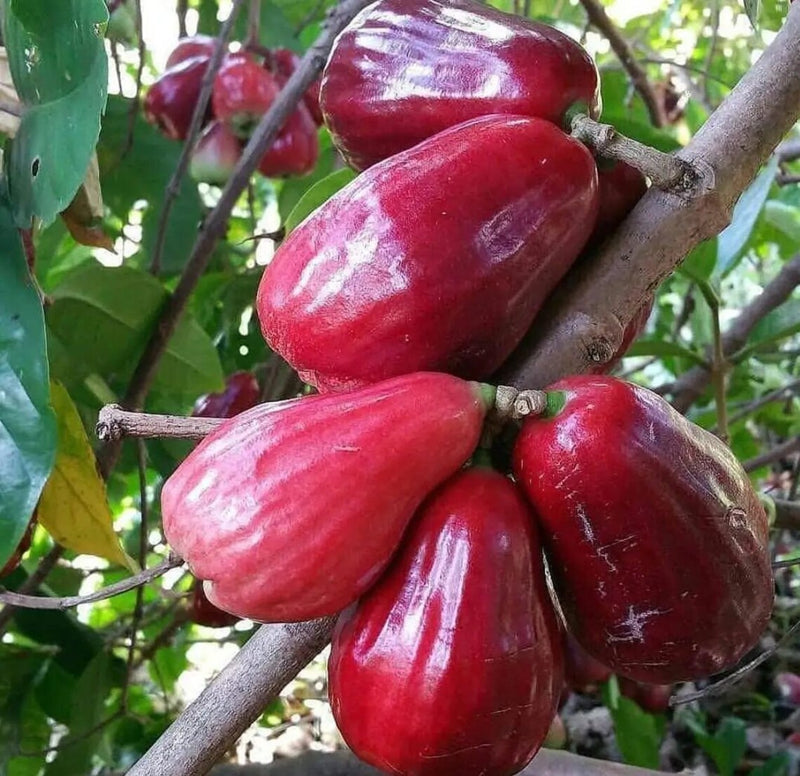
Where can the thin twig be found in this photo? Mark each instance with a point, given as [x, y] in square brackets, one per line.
[115, 423]
[253, 23]
[46, 602]
[600, 19]
[786, 391]
[771, 456]
[182, 9]
[198, 118]
[134, 109]
[719, 370]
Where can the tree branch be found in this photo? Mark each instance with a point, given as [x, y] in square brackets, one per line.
[115, 423]
[784, 450]
[600, 19]
[690, 386]
[584, 322]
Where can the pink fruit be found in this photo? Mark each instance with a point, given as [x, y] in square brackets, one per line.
[215, 155]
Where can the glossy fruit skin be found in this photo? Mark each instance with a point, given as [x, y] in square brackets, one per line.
[215, 155]
[203, 612]
[469, 60]
[171, 100]
[582, 672]
[460, 634]
[436, 259]
[24, 545]
[285, 62]
[243, 91]
[295, 150]
[653, 698]
[620, 187]
[193, 46]
[291, 510]
[655, 538]
[241, 393]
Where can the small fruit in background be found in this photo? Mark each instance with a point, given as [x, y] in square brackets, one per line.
[556, 737]
[241, 393]
[653, 698]
[188, 48]
[203, 612]
[655, 538]
[171, 100]
[24, 545]
[291, 510]
[284, 63]
[451, 664]
[215, 154]
[582, 672]
[788, 687]
[243, 91]
[295, 150]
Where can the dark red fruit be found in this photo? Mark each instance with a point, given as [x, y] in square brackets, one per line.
[24, 545]
[291, 510]
[194, 46]
[295, 149]
[582, 672]
[650, 697]
[215, 155]
[203, 612]
[171, 100]
[404, 70]
[656, 540]
[451, 664]
[620, 187]
[788, 685]
[285, 63]
[241, 393]
[438, 258]
[243, 92]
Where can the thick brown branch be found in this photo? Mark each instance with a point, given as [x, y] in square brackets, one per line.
[587, 318]
[116, 423]
[46, 602]
[600, 19]
[689, 387]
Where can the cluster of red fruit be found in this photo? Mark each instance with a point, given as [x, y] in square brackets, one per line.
[243, 91]
[413, 282]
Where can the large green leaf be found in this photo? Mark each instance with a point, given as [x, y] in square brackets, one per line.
[60, 69]
[141, 172]
[777, 325]
[103, 317]
[318, 195]
[27, 423]
[638, 733]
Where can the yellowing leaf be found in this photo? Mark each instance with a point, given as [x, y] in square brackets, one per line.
[73, 506]
[84, 215]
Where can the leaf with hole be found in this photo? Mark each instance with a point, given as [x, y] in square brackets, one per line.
[60, 69]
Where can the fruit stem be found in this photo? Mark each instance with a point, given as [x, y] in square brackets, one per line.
[556, 400]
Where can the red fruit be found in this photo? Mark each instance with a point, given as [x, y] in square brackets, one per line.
[203, 612]
[656, 540]
[451, 664]
[285, 63]
[171, 100]
[438, 258]
[295, 149]
[404, 70]
[241, 393]
[24, 545]
[216, 154]
[243, 92]
[788, 685]
[650, 697]
[194, 46]
[582, 672]
[620, 187]
[291, 510]
[793, 739]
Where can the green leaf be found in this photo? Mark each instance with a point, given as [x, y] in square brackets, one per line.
[27, 423]
[274, 28]
[318, 195]
[699, 265]
[784, 217]
[777, 765]
[292, 189]
[662, 348]
[103, 317]
[728, 744]
[733, 240]
[782, 322]
[638, 733]
[753, 10]
[78, 748]
[60, 69]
